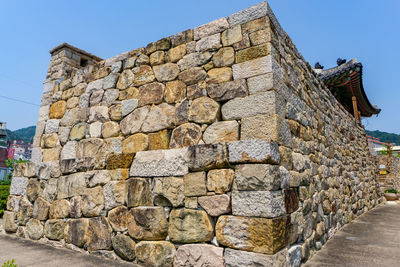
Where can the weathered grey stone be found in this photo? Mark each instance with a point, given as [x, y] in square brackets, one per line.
[228, 90]
[133, 122]
[138, 192]
[69, 150]
[159, 117]
[169, 191]
[32, 189]
[155, 253]
[224, 57]
[25, 211]
[59, 209]
[110, 96]
[119, 218]
[110, 81]
[248, 14]
[99, 113]
[95, 85]
[166, 72]
[25, 169]
[124, 246]
[221, 132]
[76, 207]
[266, 127]
[143, 74]
[192, 75]
[9, 224]
[150, 223]
[96, 97]
[193, 60]
[267, 204]
[50, 190]
[212, 42]
[76, 231]
[190, 226]
[13, 203]
[254, 177]
[52, 126]
[203, 110]
[172, 162]
[185, 135]
[205, 157]
[251, 234]
[75, 115]
[239, 258]
[255, 67]
[199, 255]
[99, 234]
[264, 83]
[253, 151]
[264, 103]
[210, 28]
[125, 79]
[114, 194]
[71, 185]
[92, 202]
[232, 35]
[54, 229]
[215, 205]
[18, 186]
[294, 255]
[128, 106]
[34, 229]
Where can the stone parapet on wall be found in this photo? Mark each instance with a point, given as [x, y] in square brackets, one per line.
[215, 146]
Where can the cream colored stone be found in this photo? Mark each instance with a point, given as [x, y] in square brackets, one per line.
[135, 143]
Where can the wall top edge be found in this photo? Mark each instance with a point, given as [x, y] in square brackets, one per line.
[75, 49]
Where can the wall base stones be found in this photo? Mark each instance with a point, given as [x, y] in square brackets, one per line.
[217, 146]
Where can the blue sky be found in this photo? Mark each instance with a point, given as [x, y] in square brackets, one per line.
[321, 30]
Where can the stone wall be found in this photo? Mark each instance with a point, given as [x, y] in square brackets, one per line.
[217, 146]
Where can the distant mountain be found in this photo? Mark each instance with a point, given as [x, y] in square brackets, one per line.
[25, 134]
[385, 137]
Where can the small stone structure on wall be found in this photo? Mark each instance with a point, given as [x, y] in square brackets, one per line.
[217, 146]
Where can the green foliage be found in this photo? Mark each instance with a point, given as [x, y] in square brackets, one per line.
[385, 137]
[391, 191]
[25, 134]
[4, 192]
[385, 152]
[10, 263]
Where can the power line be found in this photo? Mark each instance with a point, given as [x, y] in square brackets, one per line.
[18, 100]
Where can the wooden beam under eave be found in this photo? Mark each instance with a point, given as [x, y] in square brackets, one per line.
[355, 109]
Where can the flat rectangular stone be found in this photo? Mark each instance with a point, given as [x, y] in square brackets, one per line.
[258, 66]
[171, 162]
[208, 156]
[210, 28]
[239, 258]
[260, 235]
[18, 186]
[263, 83]
[253, 151]
[266, 204]
[228, 90]
[248, 14]
[266, 127]
[254, 177]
